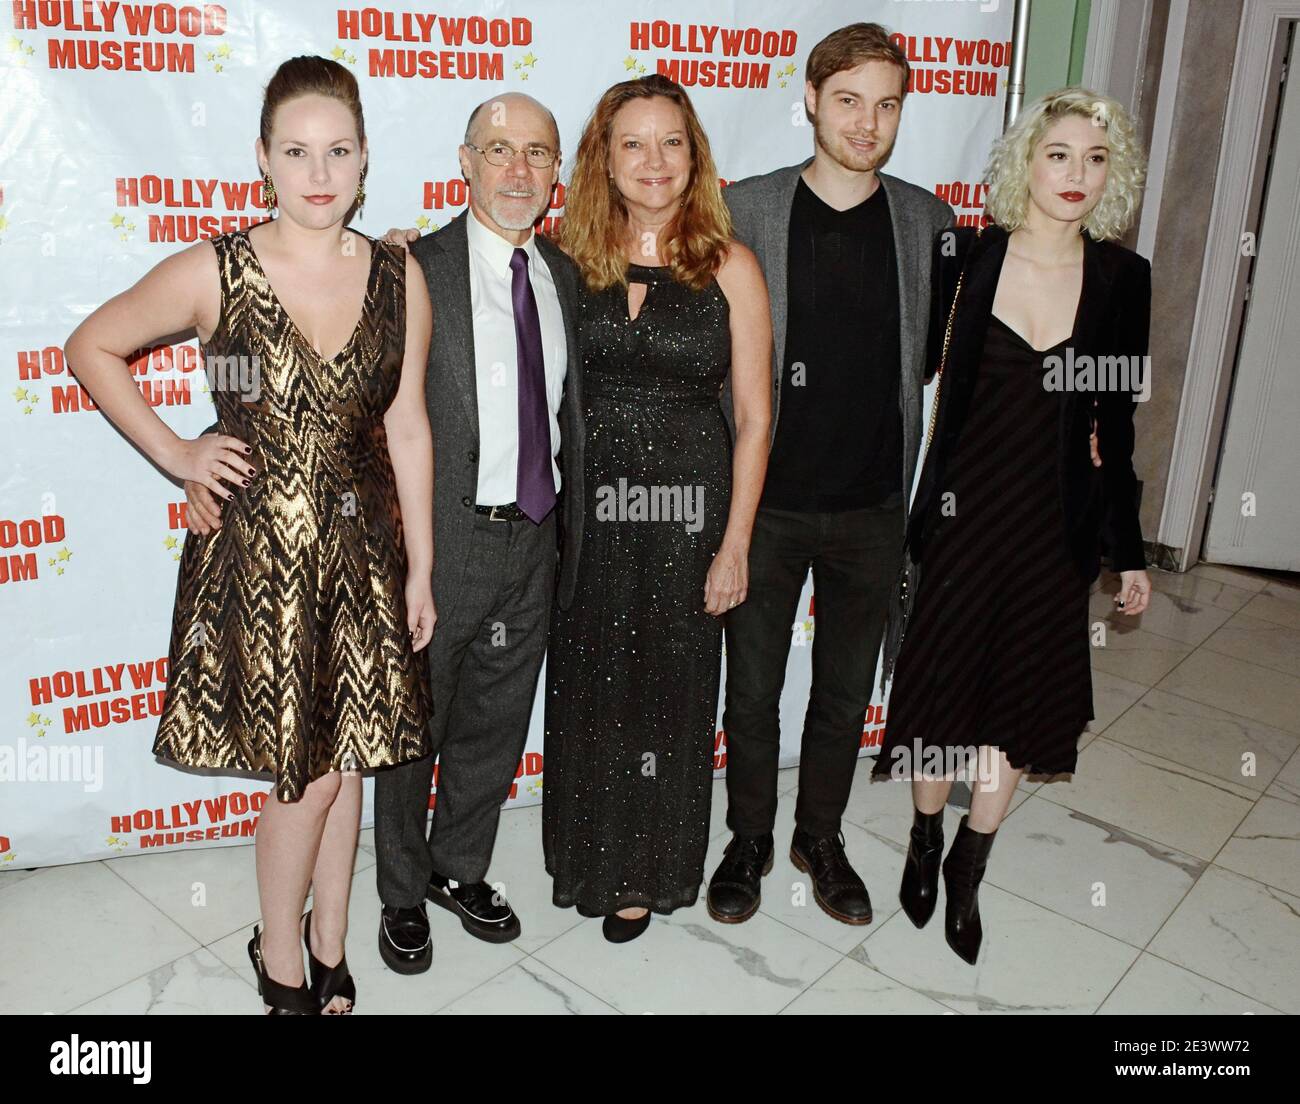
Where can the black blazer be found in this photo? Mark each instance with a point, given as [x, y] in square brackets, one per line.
[1113, 319]
[451, 394]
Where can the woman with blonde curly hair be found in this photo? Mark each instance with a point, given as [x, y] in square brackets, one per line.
[1039, 325]
[673, 308]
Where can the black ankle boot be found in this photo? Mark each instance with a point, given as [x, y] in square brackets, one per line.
[963, 870]
[920, 888]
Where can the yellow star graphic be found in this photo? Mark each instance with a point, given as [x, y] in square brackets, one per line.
[337, 52]
[20, 393]
[629, 62]
[223, 51]
[15, 43]
[117, 220]
[530, 59]
[33, 719]
[640, 69]
[170, 542]
[523, 76]
[422, 222]
[64, 554]
[4, 222]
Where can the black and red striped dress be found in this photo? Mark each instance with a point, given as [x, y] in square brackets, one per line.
[997, 652]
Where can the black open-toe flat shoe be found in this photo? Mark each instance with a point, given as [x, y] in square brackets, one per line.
[328, 982]
[283, 999]
[618, 929]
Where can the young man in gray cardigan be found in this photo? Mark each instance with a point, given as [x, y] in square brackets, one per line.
[846, 251]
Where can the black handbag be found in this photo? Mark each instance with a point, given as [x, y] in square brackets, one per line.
[909, 574]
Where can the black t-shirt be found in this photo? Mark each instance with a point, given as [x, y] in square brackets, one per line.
[839, 435]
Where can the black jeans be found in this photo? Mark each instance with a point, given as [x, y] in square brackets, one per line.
[854, 556]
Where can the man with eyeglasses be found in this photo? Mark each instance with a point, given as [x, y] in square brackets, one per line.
[502, 392]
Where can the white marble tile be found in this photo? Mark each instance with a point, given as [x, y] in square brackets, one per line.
[1154, 987]
[1111, 697]
[208, 891]
[530, 988]
[1153, 797]
[1200, 590]
[1095, 873]
[1031, 960]
[1277, 604]
[688, 963]
[851, 989]
[1137, 655]
[79, 931]
[1178, 616]
[1239, 577]
[1266, 845]
[1239, 687]
[1239, 933]
[1286, 786]
[11, 875]
[518, 869]
[1255, 640]
[1214, 741]
[461, 963]
[196, 983]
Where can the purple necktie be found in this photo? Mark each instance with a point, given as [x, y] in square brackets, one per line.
[534, 482]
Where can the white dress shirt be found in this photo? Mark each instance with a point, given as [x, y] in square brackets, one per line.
[496, 359]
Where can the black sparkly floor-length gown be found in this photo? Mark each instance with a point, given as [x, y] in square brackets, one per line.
[998, 652]
[634, 664]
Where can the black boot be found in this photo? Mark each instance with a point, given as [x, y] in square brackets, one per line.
[963, 870]
[920, 888]
[735, 888]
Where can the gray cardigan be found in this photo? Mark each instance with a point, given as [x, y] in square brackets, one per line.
[760, 212]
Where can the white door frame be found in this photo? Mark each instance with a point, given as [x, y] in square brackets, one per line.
[1252, 98]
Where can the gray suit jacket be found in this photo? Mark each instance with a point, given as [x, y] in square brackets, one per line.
[760, 212]
[451, 392]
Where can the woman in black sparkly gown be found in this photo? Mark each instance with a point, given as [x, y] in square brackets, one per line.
[672, 307]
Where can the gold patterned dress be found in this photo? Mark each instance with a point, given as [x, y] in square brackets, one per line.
[290, 651]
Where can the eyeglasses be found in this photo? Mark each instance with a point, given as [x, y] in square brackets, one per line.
[502, 153]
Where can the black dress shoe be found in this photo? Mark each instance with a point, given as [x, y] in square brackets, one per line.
[404, 942]
[483, 912]
[618, 929]
[963, 870]
[836, 885]
[735, 889]
[920, 887]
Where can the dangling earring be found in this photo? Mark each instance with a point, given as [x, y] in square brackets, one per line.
[361, 193]
[268, 191]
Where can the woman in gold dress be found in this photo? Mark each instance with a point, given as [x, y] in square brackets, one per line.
[299, 612]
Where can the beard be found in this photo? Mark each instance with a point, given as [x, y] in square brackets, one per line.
[845, 155]
[517, 213]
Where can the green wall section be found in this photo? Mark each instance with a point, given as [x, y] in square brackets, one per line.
[1058, 34]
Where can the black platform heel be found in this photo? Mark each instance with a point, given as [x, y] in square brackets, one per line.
[284, 1000]
[328, 982]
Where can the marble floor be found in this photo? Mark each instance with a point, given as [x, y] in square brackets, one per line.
[1165, 878]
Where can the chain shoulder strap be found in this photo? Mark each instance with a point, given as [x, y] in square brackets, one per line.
[943, 356]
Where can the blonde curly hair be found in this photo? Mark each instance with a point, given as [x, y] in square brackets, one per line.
[1007, 172]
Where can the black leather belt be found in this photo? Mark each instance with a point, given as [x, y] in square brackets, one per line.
[509, 512]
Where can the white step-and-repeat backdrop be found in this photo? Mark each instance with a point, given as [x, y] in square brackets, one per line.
[126, 132]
